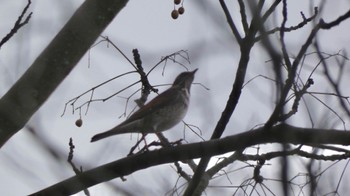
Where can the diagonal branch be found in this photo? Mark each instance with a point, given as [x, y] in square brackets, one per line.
[54, 64]
[230, 22]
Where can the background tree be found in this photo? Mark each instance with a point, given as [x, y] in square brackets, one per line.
[289, 90]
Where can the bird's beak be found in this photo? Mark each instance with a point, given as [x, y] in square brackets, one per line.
[194, 71]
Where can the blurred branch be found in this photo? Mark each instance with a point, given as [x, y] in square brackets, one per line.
[275, 116]
[57, 60]
[335, 83]
[283, 133]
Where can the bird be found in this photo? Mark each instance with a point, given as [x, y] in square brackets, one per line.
[160, 114]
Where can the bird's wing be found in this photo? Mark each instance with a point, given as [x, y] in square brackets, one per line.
[163, 99]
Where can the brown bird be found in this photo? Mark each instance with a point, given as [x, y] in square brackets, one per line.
[160, 114]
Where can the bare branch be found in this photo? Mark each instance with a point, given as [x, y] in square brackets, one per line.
[18, 24]
[230, 22]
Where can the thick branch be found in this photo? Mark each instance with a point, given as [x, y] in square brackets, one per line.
[54, 64]
[278, 134]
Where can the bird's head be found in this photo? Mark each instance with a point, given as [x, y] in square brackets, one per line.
[185, 79]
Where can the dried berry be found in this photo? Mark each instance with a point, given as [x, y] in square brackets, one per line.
[177, 2]
[181, 10]
[79, 122]
[174, 14]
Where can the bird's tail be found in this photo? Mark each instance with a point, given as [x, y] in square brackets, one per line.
[101, 136]
[114, 131]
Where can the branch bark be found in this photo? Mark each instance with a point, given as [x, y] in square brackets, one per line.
[54, 64]
[282, 133]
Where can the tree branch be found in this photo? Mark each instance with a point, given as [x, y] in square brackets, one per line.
[282, 133]
[274, 118]
[18, 24]
[54, 64]
[246, 45]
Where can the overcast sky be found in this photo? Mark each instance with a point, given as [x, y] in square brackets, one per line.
[146, 25]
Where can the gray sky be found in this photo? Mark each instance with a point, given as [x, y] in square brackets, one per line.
[147, 26]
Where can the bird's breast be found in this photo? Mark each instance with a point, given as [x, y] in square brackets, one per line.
[171, 115]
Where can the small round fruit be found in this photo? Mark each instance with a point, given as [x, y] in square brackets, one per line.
[177, 2]
[174, 14]
[79, 122]
[181, 10]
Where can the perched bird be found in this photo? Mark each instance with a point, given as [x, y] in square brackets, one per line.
[161, 113]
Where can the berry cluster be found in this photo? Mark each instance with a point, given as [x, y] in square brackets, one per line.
[176, 12]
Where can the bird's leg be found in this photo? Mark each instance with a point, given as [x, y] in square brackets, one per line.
[165, 142]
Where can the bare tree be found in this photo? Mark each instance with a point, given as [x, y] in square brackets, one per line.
[291, 78]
